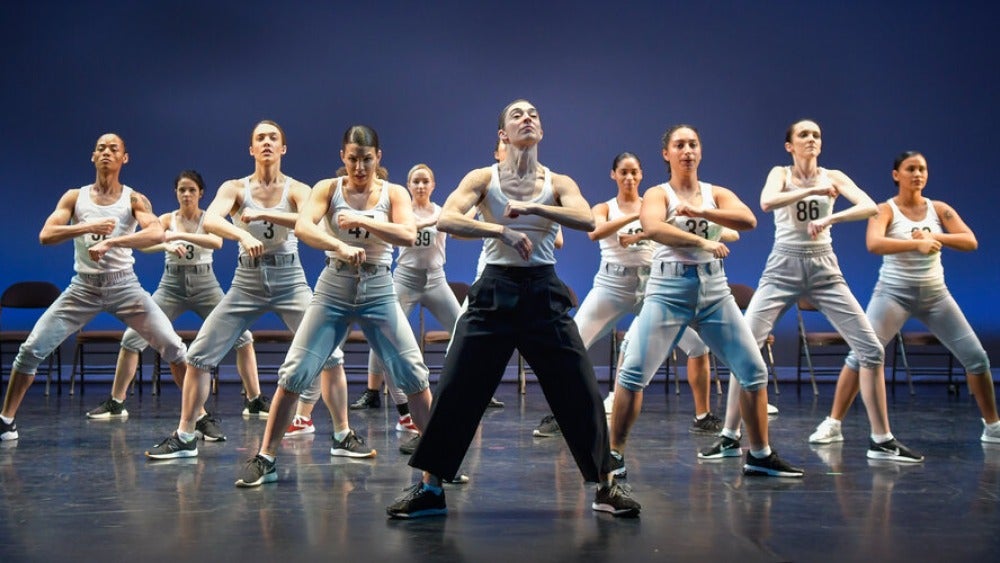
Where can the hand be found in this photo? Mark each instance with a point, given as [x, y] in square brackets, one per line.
[515, 209]
[250, 215]
[347, 221]
[717, 249]
[818, 226]
[179, 249]
[928, 245]
[99, 250]
[518, 240]
[627, 240]
[253, 247]
[687, 210]
[353, 255]
[102, 226]
[827, 191]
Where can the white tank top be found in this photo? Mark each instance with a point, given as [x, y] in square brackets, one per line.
[277, 239]
[639, 254]
[541, 231]
[791, 222]
[911, 266]
[427, 253]
[377, 251]
[115, 259]
[695, 225]
[194, 255]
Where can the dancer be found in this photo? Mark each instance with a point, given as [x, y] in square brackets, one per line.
[363, 218]
[268, 277]
[803, 264]
[517, 303]
[687, 285]
[101, 219]
[188, 284]
[619, 286]
[909, 232]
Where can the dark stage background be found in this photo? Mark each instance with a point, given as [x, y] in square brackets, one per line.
[183, 82]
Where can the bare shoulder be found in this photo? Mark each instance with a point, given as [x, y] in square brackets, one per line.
[140, 202]
[563, 181]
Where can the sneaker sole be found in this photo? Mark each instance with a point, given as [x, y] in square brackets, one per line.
[621, 473]
[418, 514]
[107, 416]
[8, 436]
[293, 433]
[265, 478]
[885, 456]
[210, 438]
[248, 414]
[539, 434]
[174, 455]
[752, 470]
[826, 440]
[621, 513]
[401, 428]
[349, 453]
[733, 452]
[704, 431]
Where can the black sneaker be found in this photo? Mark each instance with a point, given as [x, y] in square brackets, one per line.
[418, 502]
[618, 465]
[770, 466]
[108, 409]
[257, 471]
[258, 407]
[708, 424]
[8, 432]
[892, 450]
[173, 447]
[494, 403]
[370, 399]
[723, 447]
[351, 446]
[208, 428]
[615, 499]
[547, 428]
[410, 446]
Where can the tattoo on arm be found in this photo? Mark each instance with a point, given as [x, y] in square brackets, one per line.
[949, 215]
[143, 201]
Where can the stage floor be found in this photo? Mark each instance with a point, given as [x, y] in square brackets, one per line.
[79, 489]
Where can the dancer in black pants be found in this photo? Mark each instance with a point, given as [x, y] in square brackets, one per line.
[518, 302]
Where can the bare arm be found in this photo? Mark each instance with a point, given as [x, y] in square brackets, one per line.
[653, 216]
[150, 230]
[226, 201]
[57, 229]
[307, 227]
[603, 227]
[878, 242]
[458, 216]
[572, 211]
[774, 196]
[729, 211]
[957, 235]
[399, 230]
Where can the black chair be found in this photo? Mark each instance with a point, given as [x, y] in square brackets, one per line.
[921, 344]
[97, 342]
[743, 293]
[37, 295]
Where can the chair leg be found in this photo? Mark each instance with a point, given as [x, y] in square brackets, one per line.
[812, 372]
[770, 367]
[77, 363]
[906, 364]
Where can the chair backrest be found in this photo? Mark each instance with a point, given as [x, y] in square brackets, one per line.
[806, 305]
[29, 295]
[742, 293]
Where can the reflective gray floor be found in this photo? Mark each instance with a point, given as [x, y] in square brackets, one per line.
[82, 489]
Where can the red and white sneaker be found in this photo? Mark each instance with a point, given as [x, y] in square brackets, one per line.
[300, 426]
[405, 424]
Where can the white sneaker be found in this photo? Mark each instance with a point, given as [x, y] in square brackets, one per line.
[827, 432]
[991, 436]
[405, 424]
[609, 402]
[771, 409]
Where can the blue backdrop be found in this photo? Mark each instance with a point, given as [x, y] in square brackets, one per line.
[183, 82]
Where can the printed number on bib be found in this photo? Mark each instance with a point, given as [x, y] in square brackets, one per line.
[423, 238]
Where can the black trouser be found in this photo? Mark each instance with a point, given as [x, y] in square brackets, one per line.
[525, 308]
